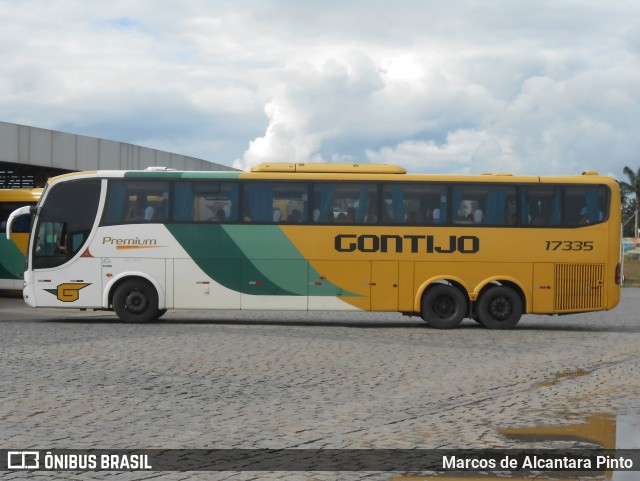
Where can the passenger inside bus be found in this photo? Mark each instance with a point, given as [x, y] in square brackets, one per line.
[149, 211]
[219, 217]
[140, 211]
[476, 213]
[295, 216]
[583, 216]
[136, 211]
[427, 216]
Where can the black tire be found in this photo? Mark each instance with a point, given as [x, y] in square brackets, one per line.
[161, 313]
[136, 301]
[499, 308]
[443, 306]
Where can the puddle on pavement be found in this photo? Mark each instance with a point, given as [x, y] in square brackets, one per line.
[599, 429]
[606, 431]
[563, 375]
[603, 430]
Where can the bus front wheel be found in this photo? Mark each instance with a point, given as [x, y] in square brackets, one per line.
[443, 306]
[499, 308]
[136, 300]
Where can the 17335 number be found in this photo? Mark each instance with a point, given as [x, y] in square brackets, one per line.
[566, 245]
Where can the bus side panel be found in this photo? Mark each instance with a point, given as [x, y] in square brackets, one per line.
[543, 288]
[384, 286]
[194, 289]
[11, 262]
[21, 240]
[392, 286]
[407, 292]
[76, 284]
[337, 285]
[274, 284]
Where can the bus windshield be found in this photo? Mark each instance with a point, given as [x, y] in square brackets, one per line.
[65, 221]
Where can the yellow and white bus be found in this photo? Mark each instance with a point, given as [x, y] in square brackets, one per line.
[12, 251]
[327, 237]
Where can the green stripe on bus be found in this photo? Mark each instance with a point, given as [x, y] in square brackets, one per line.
[11, 260]
[257, 260]
[6, 274]
[278, 259]
[212, 175]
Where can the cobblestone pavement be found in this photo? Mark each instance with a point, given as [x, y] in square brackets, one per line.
[228, 379]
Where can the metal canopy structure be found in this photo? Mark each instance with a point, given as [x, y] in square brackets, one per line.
[30, 155]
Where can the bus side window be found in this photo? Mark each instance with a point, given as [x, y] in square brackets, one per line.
[469, 203]
[484, 204]
[147, 208]
[205, 201]
[542, 206]
[500, 205]
[270, 202]
[290, 203]
[347, 203]
[585, 204]
[136, 201]
[137, 210]
[258, 202]
[414, 203]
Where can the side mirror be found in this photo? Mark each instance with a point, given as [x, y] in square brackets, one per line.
[26, 210]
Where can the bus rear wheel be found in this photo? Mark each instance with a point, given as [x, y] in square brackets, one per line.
[443, 306]
[136, 301]
[499, 308]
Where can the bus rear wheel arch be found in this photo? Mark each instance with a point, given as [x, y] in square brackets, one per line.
[443, 306]
[136, 301]
[499, 307]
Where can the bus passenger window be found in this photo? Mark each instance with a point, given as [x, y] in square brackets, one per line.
[414, 203]
[585, 204]
[205, 201]
[542, 206]
[139, 210]
[136, 201]
[467, 202]
[285, 202]
[412, 218]
[484, 204]
[346, 203]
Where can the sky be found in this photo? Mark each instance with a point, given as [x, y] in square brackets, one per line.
[455, 86]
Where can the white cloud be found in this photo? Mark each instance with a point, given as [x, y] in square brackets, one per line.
[464, 151]
[352, 100]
